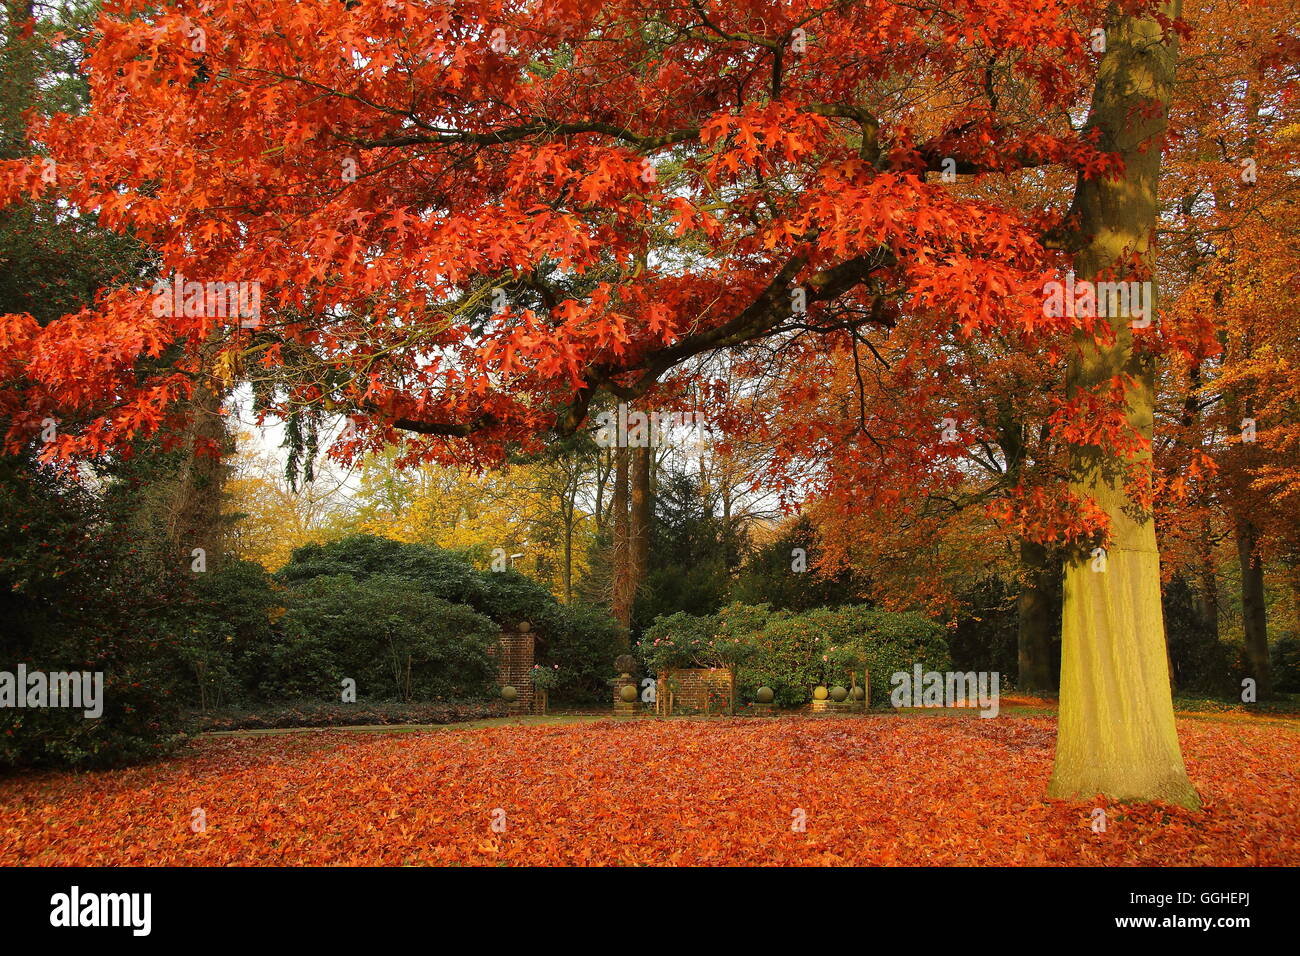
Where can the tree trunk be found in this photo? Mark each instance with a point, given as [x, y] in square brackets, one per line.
[1254, 622]
[622, 599]
[1034, 608]
[603, 469]
[1116, 733]
[196, 519]
[639, 526]
[568, 554]
[1249, 558]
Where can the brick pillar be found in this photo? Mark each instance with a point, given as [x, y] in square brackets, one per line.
[514, 656]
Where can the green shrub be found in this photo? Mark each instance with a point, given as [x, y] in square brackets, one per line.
[393, 640]
[820, 647]
[792, 652]
[789, 658]
[1202, 664]
[584, 641]
[677, 640]
[76, 597]
[227, 634]
[545, 677]
[1286, 664]
[746, 621]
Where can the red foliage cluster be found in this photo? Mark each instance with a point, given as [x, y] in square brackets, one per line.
[873, 790]
[380, 168]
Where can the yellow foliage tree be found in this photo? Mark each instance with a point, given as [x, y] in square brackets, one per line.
[532, 510]
[270, 518]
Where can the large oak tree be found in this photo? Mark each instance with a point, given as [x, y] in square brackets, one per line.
[469, 219]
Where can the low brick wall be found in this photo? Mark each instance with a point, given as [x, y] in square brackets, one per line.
[693, 687]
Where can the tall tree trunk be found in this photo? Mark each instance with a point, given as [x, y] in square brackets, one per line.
[1116, 733]
[1249, 558]
[568, 552]
[622, 598]
[639, 525]
[196, 519]
[1254, 622]
[603, 469]
[1034, 611]
[1205, 597]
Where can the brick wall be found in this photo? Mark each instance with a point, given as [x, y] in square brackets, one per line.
[514, 657]
[693, 686]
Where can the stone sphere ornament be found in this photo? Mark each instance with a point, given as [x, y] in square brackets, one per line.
[859, 693]
[628, 693]
[838, 694]
[508, 694]
[524, 627]
[766, 695]
[820, 692]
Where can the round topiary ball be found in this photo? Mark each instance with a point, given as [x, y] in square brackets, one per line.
[508, 694]
[766, 695]
[859, 693]
[838, 694]
[819, 692]
[628, 693]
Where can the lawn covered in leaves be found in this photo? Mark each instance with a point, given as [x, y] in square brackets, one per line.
[872, 790]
